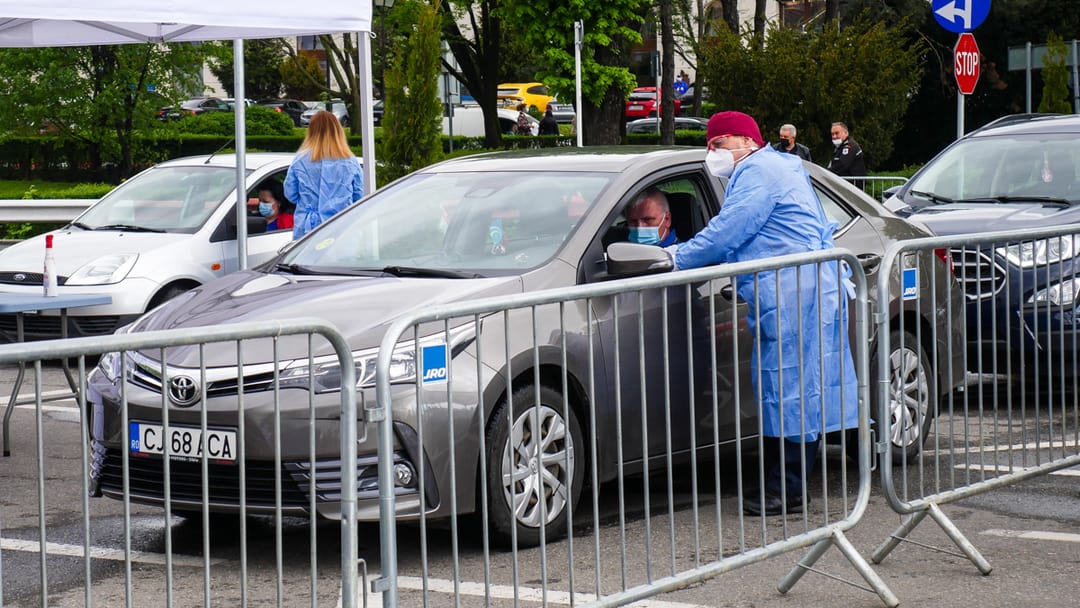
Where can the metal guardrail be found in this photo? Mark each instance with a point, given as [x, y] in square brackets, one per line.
[532, 382]
[875, 185]
[1021, 419]
[42, 210]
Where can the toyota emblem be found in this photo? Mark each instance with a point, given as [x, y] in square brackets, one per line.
[183, 390]
[19, 277]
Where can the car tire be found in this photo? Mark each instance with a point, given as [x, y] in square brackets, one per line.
[912, 393]
[512, 468]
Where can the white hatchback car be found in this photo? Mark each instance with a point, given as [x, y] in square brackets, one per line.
[168, 229]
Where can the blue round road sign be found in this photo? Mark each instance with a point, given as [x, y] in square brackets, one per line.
[960, 15]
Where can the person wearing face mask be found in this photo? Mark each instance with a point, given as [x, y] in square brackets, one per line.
[801, 360]
[847, 158]
[788, 145]
[649, 219]
[273, 205]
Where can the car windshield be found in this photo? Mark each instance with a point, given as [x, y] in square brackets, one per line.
[167, 199]
[475, 223]
[1003, 169]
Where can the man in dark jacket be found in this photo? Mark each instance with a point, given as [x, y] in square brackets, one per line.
[548, 125]
[788, 145]
[847, 156]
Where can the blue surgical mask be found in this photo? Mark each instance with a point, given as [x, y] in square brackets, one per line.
[265, 209]
[646, 235]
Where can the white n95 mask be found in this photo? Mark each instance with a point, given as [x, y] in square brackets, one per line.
[720, 162]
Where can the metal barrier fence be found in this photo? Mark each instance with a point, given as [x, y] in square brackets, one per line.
[1018, 416]
[248, 468]
[875, 185]
[611, 473]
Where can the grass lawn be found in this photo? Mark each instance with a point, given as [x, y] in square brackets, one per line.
[16, 189]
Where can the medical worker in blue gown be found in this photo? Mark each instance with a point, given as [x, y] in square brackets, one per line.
[770, 209]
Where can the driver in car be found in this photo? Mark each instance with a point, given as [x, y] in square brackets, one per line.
[649, 219]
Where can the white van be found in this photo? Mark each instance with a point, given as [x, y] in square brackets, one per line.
[469, 121]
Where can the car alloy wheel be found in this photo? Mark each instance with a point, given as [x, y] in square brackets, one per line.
[535, 468]
[911, 395]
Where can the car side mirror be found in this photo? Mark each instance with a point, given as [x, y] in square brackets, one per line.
[891, 191]
[633, 259]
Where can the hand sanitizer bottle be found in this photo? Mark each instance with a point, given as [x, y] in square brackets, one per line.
[48, 277]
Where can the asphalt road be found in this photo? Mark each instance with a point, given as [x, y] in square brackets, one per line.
[1030, 534]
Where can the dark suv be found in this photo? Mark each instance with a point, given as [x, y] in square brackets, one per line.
[1016, 173]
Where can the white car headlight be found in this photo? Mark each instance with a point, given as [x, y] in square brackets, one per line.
[1041, 252]
[105, 270]
[1064, 293]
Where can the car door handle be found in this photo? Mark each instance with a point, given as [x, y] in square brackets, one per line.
[869, 262]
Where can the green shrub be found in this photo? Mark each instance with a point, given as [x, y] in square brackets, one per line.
[260, 120]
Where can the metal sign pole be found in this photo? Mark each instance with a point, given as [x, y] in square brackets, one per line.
[579, 35]
[1027, 79]
[960, 114]
[1076, 80]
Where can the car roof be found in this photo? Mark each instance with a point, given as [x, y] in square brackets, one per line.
[253, 160]
[593, 159]
[1016, 124]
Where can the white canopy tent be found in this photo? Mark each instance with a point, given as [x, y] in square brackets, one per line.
[80, 23]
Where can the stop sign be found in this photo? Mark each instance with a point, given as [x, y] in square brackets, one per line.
[966, 63]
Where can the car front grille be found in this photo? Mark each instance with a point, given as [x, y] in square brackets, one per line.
[980, 276]
[149, 378]
[146, 476]
[26, 278]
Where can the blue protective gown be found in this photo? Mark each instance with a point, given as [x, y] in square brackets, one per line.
[321, 188]
[770, 209]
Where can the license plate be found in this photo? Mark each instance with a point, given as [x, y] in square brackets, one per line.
[183, 443]
[636, 108]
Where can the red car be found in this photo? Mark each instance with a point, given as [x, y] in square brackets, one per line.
[645, 103]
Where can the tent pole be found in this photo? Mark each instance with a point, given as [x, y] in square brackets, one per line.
[240, 111]
[367, 113]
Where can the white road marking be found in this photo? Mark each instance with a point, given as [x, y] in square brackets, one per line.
[960, 449]
[505, 592]
[1034, 535]
[33, 546]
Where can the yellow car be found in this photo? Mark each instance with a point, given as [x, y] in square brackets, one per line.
[533, 94]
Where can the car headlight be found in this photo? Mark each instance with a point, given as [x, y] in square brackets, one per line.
[1064, 293]
[104, 270]
[324, 373]
[1041, 252]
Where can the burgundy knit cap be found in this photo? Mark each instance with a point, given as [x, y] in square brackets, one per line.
[733, 123]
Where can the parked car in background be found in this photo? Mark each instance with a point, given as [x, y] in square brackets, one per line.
[293, 108]
[488, 225]
[644, 102]
[193, 106]
[340, 110]
[168, 229]
[533, 94]
[248, 102]
[377, 111]
[652, 125]
[563, 112]
[1015, 173]
[468, 121]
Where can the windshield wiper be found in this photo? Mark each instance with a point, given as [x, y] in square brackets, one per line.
[1052, 200]
[295, 269]
[128, 227]
[440, 273]
[937, 199]
[79, 225]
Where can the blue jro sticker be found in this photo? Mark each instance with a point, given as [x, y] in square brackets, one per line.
[433, 364]
[910, 284]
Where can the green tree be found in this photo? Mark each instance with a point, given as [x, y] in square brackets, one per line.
[1055, 75]
[300, 76]
[478, 51]
[412, 111]
[611, 30]
[262, 68]
[864, 74]
[101, 95]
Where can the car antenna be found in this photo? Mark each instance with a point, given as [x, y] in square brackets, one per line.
[209, 158]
